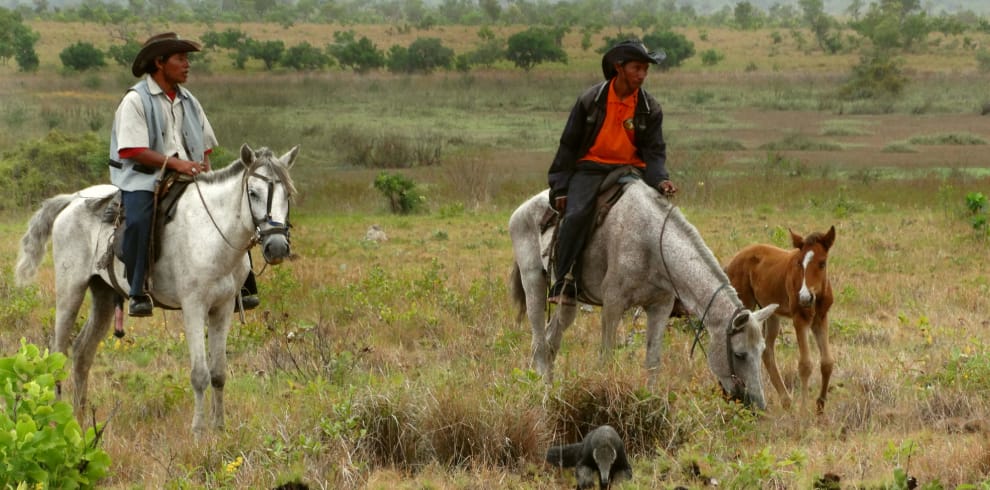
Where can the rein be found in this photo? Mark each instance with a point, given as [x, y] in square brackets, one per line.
[276, 227]
[699, 325]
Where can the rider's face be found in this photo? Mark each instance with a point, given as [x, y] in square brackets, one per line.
[633, 73]
[175, 68]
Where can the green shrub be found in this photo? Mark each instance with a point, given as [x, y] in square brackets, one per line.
[533, 46]
[360, 55]
[41, 443]
[401, 192]
[36, 170]
[82, 56]
[878, 75]
[711, 57]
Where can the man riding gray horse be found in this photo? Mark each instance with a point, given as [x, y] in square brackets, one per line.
[158, 126]
[614, 123]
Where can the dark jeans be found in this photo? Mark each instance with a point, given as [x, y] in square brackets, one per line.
[138, 209]
[576, 226]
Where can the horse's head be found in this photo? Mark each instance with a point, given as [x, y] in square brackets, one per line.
[735, 359]
[812, 261]
[269, 190]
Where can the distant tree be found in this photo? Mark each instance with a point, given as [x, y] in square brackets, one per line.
[878, 75]
[228, 39]
[82, 56]
[677, 47]
[17, 40]
[487, 52]
[491, 8]
[822, 26]
[424, 55]
[124, 54]
[748, 16]
[533, 46]
[894, 24]
[269, 52]
[360, 55]
[304, 56]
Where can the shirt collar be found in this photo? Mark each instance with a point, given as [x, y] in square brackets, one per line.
[613, 98]
[155, 89]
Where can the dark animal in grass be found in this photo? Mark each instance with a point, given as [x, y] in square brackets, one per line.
[601, 454]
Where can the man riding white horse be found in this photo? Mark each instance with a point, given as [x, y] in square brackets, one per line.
[614, 123]
[158, 126]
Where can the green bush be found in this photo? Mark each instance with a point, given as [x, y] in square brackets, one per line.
[41, 443]
[360, 55]
[878, 75]
[124, 54]
[401, 192]
[533, 46]
[82, 56]
[304, 56]
[36, 170]
[711, 57]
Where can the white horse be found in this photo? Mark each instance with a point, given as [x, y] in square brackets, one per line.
[645, 253]
[200, 270]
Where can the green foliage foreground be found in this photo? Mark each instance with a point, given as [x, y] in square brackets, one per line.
[40, 441]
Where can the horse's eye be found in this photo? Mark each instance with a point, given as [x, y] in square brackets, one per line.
[740, 355]
[822, 265]
[252, 194]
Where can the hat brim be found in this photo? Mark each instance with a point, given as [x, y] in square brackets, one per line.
[612, 57]
[164, 47]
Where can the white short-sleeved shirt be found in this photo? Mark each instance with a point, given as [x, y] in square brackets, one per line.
[132, 125]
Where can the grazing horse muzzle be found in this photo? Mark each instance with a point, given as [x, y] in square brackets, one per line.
[275, 243]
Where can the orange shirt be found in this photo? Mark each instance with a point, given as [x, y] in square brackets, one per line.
[614, 144]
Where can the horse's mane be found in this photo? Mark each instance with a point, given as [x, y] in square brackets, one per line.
[236, 169]
[692, 235]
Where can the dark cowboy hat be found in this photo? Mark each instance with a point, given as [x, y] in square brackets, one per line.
[628, 50]
[164, 44]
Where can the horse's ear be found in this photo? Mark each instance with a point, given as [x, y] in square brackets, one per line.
[796, 240]
[762, 314]
[247, 155]
[290, 157]
[829, 238]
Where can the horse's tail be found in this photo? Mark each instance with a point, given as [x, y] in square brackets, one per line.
[35, 240]
[516, 291]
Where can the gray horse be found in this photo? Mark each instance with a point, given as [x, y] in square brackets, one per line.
[645, 253]
[200, 270]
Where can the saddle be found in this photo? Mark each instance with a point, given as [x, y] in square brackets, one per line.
[609, 192]
[169, 190]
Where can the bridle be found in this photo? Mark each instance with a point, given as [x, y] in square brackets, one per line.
[275, 227]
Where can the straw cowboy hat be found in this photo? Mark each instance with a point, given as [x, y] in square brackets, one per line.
[164, 44]
[628, 50]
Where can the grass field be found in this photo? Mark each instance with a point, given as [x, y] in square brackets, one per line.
[400, 364]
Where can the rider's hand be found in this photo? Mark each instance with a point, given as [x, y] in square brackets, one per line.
[560, 204]
[667, 188]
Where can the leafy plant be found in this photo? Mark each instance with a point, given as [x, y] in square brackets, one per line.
[976, 203]
[82, 56]
[401, 192]
[40, 441]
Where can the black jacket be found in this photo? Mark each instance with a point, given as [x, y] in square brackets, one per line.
[584, 124]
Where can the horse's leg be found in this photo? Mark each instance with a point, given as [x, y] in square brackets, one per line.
[193, 316]
[69, 295]
[772, 329]
[820, 329]
[534, 286]
[219, 328]
[801, 324]
[88, 340]
[562, 319]
[657, 316]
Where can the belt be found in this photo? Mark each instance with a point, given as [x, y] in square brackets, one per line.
[144, 169]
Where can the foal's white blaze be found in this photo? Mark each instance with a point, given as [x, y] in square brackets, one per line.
[805, 296]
